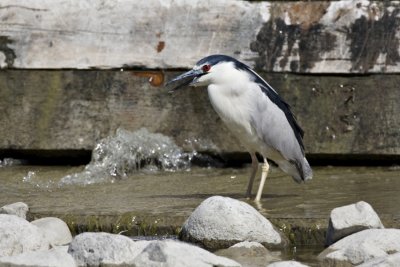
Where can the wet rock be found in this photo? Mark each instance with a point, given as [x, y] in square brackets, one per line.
[249, 254]
[350, 219]
[249, 245]
[388, 261]
[95, 249]
[55, 230]
[287, 264]
[19, 209]
[18, 236]
[171, 253]
[220, 222]
[362, 247]
[56, 257]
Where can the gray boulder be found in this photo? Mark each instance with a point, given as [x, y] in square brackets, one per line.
[350, 219]
[250, 254]
[392, 260]
[96, 249]
[287, 264]
[55, 230]
[18, 236]
[171, 253]
[19, 209]
[56, 257]
[362, 247]
[220, 222]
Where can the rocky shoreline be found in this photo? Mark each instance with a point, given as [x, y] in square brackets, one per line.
[221, 231]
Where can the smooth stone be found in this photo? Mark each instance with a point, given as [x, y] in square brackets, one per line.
[55, 230]
[220, 222]
[55, 257]
[287, 264]
[350, 219]
[19, 209]
[361, 247]
[104, 249]
[248, 244]
[18, 236]
[392, 260]
[250, 254]
[171, 253]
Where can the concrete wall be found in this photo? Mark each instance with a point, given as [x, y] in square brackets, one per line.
[52, 99]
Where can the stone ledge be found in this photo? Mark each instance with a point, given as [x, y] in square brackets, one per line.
[72, 110]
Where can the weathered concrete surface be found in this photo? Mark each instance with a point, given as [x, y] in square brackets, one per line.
[67, 110]
[295, 36]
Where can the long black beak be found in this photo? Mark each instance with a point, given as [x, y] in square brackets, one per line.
[190, 76]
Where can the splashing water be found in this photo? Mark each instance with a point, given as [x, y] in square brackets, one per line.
[115, 157]
[6, 162]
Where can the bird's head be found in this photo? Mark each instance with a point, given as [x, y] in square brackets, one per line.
[211, 69]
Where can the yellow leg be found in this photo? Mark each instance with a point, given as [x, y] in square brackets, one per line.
[264, 168]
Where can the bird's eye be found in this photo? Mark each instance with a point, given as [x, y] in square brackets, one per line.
[206, 67]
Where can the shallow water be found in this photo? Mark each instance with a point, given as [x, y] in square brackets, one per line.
[171, 196]
[180, 192]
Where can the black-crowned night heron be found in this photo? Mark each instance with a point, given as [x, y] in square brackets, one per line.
[255, 113]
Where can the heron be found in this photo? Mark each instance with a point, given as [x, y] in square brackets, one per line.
[255, 113]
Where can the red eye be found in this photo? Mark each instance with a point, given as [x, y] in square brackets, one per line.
[206, 67]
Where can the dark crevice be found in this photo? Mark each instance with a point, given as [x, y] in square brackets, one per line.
[205, 159]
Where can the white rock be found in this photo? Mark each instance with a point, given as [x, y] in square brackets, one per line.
[103, 248]
[287, 264]
[56, 257]
[363, 246]
[220, 222]
[250, 254]
[55, 230]
[392, 260]
[19, 209]
[247, 244]
[350, 219]
[18, 235]
[171, 253]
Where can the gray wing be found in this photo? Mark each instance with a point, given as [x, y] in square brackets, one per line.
[275, 124]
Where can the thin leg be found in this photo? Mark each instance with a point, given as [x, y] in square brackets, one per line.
[254, 165]
[264, 168]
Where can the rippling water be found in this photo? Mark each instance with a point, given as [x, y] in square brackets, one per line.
[179, 192]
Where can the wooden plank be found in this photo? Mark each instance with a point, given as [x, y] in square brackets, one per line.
[71, 110]
[279, 36]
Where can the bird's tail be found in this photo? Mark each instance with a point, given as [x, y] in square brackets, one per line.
[300, 170]
[306, 170]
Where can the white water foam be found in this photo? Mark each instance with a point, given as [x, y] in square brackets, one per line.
[116, 157]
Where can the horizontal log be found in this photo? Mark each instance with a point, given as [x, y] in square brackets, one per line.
[278, 36]
[71, 110]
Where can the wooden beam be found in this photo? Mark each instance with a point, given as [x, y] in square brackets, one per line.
[278, 36]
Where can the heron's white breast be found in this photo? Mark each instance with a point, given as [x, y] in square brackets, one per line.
[235, 104]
